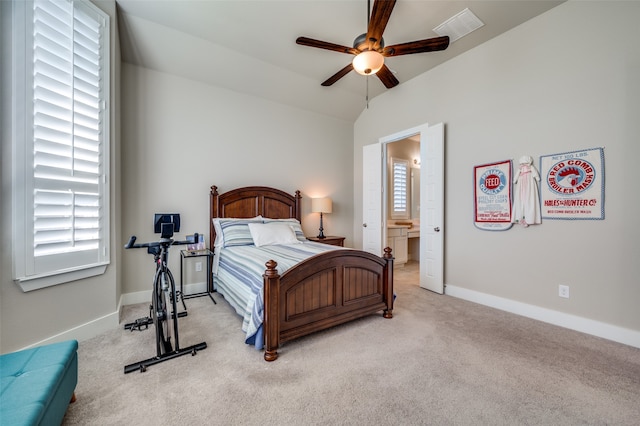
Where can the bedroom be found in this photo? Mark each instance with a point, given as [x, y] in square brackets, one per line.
[576, 69]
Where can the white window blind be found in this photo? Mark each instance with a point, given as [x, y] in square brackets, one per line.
[400, 169]
[66, 192]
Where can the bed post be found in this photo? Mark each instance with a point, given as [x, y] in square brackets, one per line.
[388, 283]
[271, 322]
[213, 212]
[298, 206]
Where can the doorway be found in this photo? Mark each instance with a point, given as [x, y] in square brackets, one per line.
[403, 203]
[431, 230]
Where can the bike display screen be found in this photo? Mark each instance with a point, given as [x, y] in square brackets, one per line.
[166, 224]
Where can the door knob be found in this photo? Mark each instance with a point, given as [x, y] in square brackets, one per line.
[437, 229]
[364, 225]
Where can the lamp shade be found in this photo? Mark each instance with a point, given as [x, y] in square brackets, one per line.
[321, 205]
[368, 62]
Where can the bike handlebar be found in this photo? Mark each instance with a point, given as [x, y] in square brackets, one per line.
[168, 241]
[132, 240]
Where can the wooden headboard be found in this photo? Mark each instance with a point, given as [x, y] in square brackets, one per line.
[252, 201]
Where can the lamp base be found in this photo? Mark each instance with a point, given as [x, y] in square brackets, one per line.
[321, 234]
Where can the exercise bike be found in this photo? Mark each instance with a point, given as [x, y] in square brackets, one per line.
[163, 311]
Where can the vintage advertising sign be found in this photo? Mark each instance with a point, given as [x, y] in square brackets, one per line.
[572, 185]
[492, 203]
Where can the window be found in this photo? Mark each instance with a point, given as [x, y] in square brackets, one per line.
[400, 172]
[61, 142]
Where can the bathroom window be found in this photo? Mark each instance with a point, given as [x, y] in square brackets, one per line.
[400, 184]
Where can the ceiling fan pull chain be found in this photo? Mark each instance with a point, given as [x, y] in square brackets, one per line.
[367, 96]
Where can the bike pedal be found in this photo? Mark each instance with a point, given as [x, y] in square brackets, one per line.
[138, 324]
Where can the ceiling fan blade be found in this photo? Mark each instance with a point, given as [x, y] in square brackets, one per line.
[379, 17]
[387, 78]
[337, 76]
[306, 41]
[420, 46]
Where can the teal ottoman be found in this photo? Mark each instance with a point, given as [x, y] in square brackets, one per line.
[37, 385]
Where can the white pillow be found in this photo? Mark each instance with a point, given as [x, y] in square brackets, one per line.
[269, 234]
[294, 223]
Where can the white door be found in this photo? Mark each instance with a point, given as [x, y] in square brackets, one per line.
[372, 199]
[432, 208]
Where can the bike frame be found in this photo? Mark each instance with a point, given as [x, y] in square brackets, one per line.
[163, 343]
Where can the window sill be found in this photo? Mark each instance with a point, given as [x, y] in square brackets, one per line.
[37, 282]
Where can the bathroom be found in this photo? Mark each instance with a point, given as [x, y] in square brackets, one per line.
[403, 201]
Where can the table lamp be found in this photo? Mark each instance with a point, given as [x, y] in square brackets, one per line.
[321, 205]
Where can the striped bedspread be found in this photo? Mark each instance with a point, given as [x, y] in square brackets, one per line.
[238, 277]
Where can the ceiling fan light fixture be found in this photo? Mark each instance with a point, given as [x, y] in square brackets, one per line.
[368, 62]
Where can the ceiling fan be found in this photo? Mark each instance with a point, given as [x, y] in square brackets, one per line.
[369, 48]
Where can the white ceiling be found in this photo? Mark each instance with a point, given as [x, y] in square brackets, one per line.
[249, 46]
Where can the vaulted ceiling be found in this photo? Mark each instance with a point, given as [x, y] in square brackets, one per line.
[249, 46]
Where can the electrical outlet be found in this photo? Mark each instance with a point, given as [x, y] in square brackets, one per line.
[199, 268]
[563, 291]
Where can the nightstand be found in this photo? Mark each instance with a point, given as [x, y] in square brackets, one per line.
[189, 254]
[331, 240]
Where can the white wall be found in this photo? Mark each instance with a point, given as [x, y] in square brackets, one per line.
[181, 136]
[566, 80]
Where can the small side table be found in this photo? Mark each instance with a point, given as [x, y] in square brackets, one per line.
[331, 240]
[189, 254]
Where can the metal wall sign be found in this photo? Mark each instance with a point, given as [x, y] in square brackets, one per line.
[492, 196]
[572, 185]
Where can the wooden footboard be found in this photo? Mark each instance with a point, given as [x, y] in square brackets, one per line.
[326, 290]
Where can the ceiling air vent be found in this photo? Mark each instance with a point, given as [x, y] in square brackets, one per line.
[459, 25]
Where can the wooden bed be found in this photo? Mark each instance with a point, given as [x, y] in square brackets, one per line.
[323, 291]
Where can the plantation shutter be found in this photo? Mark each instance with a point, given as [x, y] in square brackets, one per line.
[67, 130]
[400, 173]
[68, 187]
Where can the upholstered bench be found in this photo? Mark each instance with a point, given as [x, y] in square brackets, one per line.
[36, 385]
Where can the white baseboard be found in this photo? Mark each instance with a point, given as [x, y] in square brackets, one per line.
[110, 321]
[195, 288]
[145, 296]
[573, 322]
[84, 331]
[134, 298]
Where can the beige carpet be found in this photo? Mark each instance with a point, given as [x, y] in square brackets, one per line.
[440, 361]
